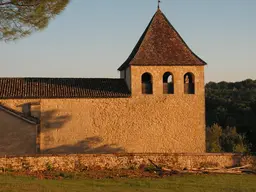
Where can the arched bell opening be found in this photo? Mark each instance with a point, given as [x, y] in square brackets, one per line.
[147, 83]
[168, 83]
[189, 83]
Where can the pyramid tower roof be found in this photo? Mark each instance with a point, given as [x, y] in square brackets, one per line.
[161, 45]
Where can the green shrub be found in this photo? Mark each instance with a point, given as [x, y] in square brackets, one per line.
[213, 135]
[150, 168]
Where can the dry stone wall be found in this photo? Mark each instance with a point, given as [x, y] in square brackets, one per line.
[122, 161]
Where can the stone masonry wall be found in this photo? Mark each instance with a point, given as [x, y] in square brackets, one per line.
[17, 137]
[17, 104]
[136, 125]
[123, 161]
[141, 124]
[178, 73]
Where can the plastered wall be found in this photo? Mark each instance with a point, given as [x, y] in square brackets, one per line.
[17, 137]
[178, 73]
[17, 105]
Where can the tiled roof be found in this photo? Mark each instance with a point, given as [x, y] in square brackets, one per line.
[160, 44]
[62, 88]
[29, 119]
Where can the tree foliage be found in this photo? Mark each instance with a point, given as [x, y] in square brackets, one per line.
[213, 135]
[19, 18]
[233, 105]
[225, 140]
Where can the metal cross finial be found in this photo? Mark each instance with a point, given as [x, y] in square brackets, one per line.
[158, 6]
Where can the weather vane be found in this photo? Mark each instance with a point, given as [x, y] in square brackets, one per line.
[158, 6]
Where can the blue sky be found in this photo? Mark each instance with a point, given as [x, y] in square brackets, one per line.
[92, 38]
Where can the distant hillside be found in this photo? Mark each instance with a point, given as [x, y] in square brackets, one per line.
[233, 104]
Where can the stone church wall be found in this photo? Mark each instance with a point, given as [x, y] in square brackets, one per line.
[141, 124]
[178, 73]
[155, 123]
[17, 136]
[19, 104]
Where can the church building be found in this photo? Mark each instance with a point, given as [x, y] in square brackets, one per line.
[156, 106]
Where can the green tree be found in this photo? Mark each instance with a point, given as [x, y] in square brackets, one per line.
[233, 104]
[231, 141]
[213, 135]
[19, 18]
[225, 140]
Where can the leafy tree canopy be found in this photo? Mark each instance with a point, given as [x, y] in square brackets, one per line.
[19, 18]
[227, 139]
[233, 105]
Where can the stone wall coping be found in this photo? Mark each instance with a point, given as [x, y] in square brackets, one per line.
[129, 154]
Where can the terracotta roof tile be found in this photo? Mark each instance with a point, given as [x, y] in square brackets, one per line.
[160, 45]
[62, 88]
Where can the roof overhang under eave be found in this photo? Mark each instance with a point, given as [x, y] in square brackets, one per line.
[121, 68]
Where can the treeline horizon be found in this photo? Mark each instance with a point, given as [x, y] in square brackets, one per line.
[233, 104]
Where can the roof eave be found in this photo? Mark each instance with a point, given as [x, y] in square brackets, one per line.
[203, 64]
[124, 66]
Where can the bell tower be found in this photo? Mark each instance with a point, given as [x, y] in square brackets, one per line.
[162, 63]
[166, 79]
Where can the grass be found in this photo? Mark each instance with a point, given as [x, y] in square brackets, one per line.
[179, 183]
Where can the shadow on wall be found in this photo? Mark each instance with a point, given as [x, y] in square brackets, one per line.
[54, 120]
[91, 145]
[17, 137]
[30, 109]
[51, 120]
